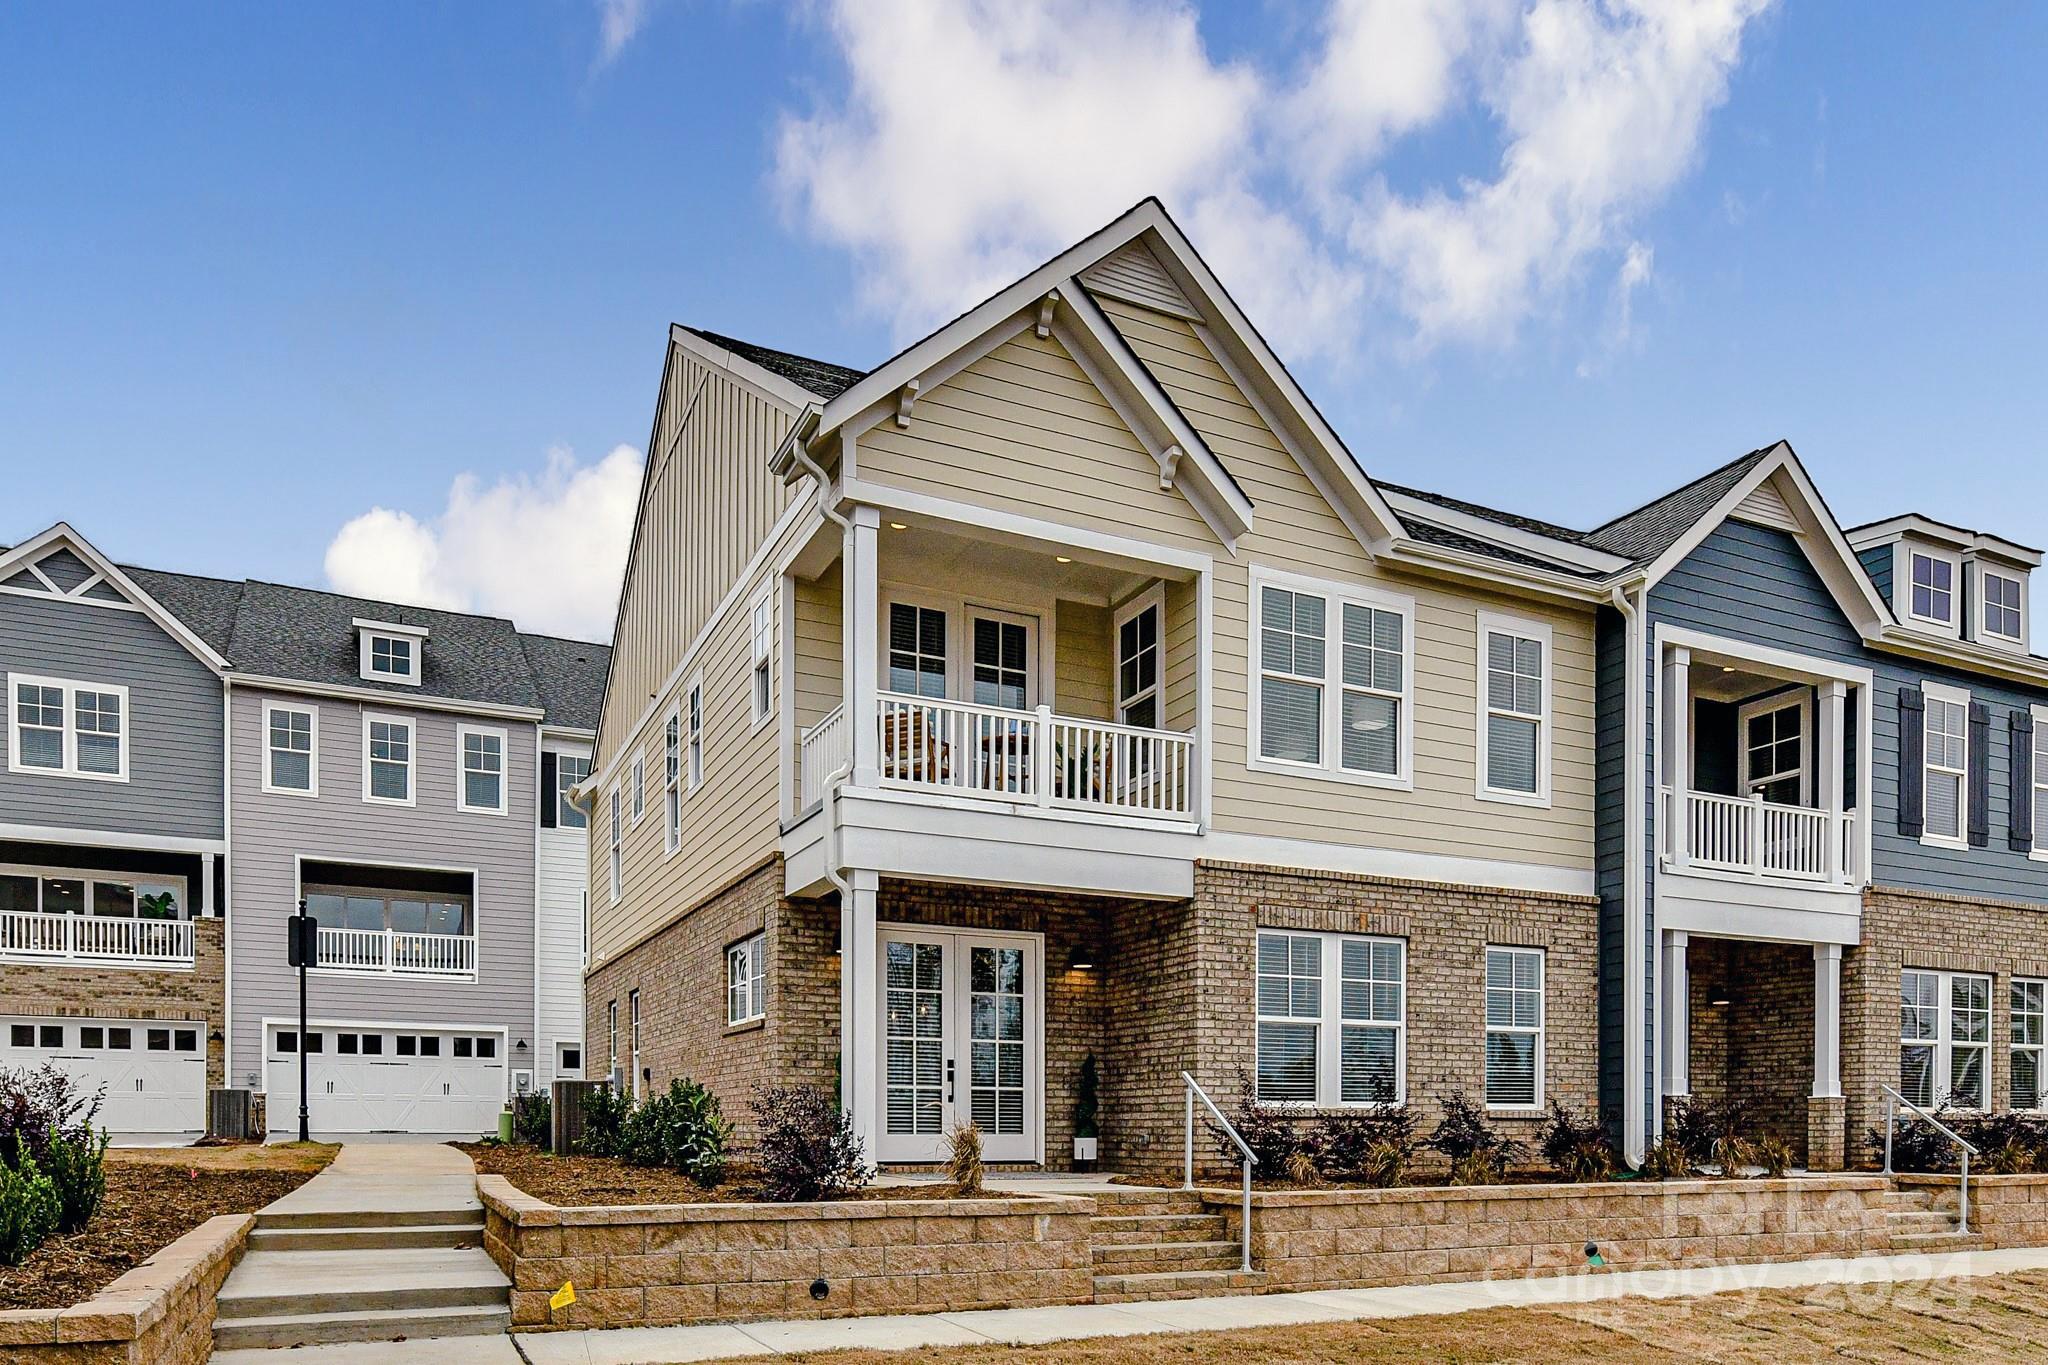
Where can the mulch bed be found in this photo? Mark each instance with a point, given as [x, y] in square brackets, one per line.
[596, 1181]
[148, 1207]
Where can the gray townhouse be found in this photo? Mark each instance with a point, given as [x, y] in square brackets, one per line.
[401, 772]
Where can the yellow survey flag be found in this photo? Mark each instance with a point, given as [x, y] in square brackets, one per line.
[562, 1297]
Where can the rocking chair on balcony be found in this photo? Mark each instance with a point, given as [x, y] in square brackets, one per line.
[911, 751]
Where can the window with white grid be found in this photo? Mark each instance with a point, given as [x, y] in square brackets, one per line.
[2029, 1040]
[1514, 1028]
[1945, 1038]
[746, 980]
[1324, 1046]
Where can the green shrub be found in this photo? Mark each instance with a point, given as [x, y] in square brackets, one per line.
[604, 1120]
[77, 1167]
[533, 1119]
[1576, 1147]
[807, 1149]
[682, 1130]
[1478, 1154]
[30, 1210]
[38, 1101]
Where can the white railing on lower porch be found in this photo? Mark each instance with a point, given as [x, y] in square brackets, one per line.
[821, 751]
[397, 952]
[1757, 837]
[96, 938]
[1034, 757]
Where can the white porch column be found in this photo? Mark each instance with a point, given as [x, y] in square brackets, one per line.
[861, 630]
[1677, 727]
[1827, 1020]
[1828, 772]
[1677, 1021]
[860, 1079]
[206, 883]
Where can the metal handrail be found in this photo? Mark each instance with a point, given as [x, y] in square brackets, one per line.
[1195, 1092]
[1892, 1100]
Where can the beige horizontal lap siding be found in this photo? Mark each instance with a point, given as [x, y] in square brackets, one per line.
[708, 503]
[1082, 682]
[1180, 705]
[820, 658]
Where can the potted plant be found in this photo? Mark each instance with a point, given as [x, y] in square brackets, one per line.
[1086, 1110]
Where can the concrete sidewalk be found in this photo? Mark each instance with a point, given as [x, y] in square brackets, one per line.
[386, 1177]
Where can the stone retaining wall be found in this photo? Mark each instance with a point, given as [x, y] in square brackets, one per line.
[159, 1313]
[1349, 1239]
[663, 1265]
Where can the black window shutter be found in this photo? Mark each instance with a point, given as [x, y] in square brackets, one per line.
[2021, 822]
[1912, 762]
[1980, 775]
[547, 790]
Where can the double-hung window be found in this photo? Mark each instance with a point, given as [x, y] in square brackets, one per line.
[696, 717]
[570, 769]
[1331, 671]
[1138, 652]
[291, 749]
[917, 650]
[633, 1009]
[1945, 1039]
[73, 729]
[1514, 1028]
[762, 676]
[2029, 1043]
[746, 980]
[1931, 589]
[1948, 763]
[1331, 1014]
[672, 784]
[480, 786]
[611, 1036]
[2001, 593]
[387, 759]
[618, 849]
[1514, 710]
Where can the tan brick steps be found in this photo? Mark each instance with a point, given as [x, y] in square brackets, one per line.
[1903, 1242]
[1178, 1284]
[1163, 1244]
[1150, 1229]
[1159, 1257]
[1925, 1221]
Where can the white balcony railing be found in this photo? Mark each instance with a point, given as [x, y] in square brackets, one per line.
[396, 953]
[96, 938]
[821, 750]
[1034, 757]
[1758, 838]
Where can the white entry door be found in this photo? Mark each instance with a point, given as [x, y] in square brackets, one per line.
[962, 1041]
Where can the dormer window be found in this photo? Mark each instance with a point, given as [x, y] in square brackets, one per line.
[390, 653]
[1934, 590]
[2002, 611]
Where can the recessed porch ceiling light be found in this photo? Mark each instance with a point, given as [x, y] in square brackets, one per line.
[898, 526]
[1061, 559]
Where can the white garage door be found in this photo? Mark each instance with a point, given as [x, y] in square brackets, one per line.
[154, 1074]
[388, 1079]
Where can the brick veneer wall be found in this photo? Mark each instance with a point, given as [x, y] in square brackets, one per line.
[1759, 1046]
[1904, 929]
[1347, 1239]
[650, 1266]
[159, 1313]
[198, 995]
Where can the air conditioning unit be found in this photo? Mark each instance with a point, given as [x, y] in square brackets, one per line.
[228, 1114]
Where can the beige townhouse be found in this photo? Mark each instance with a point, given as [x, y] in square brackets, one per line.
[1063, 688]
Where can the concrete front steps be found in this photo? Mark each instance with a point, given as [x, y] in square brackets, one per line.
[1163, 1244]
[1924, 1220]
[321, 1276]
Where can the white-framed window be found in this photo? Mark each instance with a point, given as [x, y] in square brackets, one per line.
[695, 715]
[1140, 653]
[1331, 672]
[1930, 591]
[611, 1035]
[633, 1022]
[390, 652]
[761, 677]
[1332, 1012]
[1514, 710]
[570, 769]
[672, 783]
[1774, 739]
[639, 786]
[1945, 1038]
[746, 980]
[1514, 1028]
[67, 728]
[2029, 1089]
[291, 749]
[2003, 612]
[1947, 762]
[388, 745]
[916, 661]
[618, 849]
[480, 779]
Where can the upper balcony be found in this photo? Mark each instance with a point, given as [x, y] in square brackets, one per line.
[95, 919]
[1762, 789]
[996, 678]
[393, 921]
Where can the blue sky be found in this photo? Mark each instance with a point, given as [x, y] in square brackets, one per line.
[264, 269]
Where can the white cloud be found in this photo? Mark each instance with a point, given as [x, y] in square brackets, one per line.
[973, 140]
[618, 21]
[546, 550]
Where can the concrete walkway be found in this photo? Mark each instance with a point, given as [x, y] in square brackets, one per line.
[386, 1177]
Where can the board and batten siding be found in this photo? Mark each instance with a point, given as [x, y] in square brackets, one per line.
[708, 502]
[173, 722]
[273, 830]
[564, 869]
[1024, 430]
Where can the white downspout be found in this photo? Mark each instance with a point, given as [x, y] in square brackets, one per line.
[1634, 984]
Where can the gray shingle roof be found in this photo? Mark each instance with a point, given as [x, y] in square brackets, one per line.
[570, 676]
[820, 377]
[1493, 514]
[1430, 533]
[1657, 525]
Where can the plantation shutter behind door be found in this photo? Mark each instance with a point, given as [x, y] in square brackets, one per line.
[548, 805]
[1980, 775]
[1912, 762]
[2020, 821]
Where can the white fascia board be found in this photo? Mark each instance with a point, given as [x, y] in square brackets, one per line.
[34, 547]
[1941, 533]
[394, 700]
[782, 392]
[388, 627]
[1564, 552]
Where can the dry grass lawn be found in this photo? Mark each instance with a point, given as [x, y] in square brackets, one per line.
[1989, 1318]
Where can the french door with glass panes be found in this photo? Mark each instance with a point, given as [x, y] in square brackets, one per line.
[962, 1040]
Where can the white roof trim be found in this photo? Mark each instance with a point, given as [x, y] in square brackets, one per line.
[1941, 533]
[771, 385]
[389, 628]
[35, 546]
[1509, 537]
